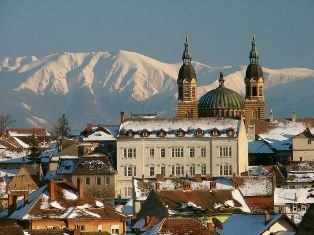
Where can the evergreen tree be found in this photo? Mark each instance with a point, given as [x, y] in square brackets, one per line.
[35, 150]
[62, 127]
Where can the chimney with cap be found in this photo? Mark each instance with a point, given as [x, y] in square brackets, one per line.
[11, 203]
[294, 117]
[52, 189]
[267, 217]
[80, 187]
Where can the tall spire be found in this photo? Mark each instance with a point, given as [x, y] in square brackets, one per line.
[186, 57]
[221, 80]
[254, 54]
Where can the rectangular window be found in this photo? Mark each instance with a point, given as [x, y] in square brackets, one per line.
[151, 152]
[163, 170]
[203, 170]
[115, 231]
[220, 170]
[98, 180]
[192, 152]
[309, 141]
[129, 153]
[230, 152]
[178, 170]
[80, 227]
[107, 180]
[192, 170]
[203, 152]
[128, 191]
[129, 170]
[151, 171]
[230, 170]
[177, 152]
[226, 168]
[162, 152]
[220, 152]
[87, 180]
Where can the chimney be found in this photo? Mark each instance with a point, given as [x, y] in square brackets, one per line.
[26, 198]
[80, 187]
[11, 203]
[121, 117]
[187, 185]
[267, 217]
[301, 159]
[89, 128]
[157, 186]
[147, 219]
[52, 189]
[212, 185]
[294, 116]
[198, 178]
[271, 116]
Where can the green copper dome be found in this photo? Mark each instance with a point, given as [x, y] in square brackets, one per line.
[221, 98]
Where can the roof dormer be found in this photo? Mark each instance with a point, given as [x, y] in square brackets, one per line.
[199, 132]
[130, 133]
[215, 132]
[161, 133]
[145, 133]
[180, 133]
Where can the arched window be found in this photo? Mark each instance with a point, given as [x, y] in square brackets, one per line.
[260, 91]
[186, 91]
[254, 90]
[193, 91]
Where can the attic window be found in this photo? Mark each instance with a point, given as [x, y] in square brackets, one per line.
[309, 141]
[180, 133]
[199, 132]
[161, 133]
[130, 133]
[145, 133]
[230, 132]
[215, 132]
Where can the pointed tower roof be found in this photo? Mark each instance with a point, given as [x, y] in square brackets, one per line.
[221, 80]
[254, 54]
[187, 71]
[186, 56]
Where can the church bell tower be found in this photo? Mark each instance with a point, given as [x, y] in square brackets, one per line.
[187, 103]
[254, 88]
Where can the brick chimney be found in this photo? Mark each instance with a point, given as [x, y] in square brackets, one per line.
[26, 196]
[187, 185]
[122, 117]
[294, 116]
[157, 186]
[198, 178]
[271, 116]
[267, 217]
[11, 203]
[212, 185]
[80, 187]
[52, 189]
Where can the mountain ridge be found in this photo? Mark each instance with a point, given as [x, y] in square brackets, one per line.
[96, 86]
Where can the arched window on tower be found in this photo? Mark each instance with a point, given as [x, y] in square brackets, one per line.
[186, 91]
[193, 91]
[180, 92]
[254, 91]
[260, 91]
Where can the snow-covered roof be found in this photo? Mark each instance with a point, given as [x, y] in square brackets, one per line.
[99, 136]
[170, 126]
[290, 196]
[259, 147]
[280, 137]
[247, 224]
[256, 185]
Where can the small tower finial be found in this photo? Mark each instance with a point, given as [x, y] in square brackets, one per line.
[221, 80]
[186, 57]
[254, 54]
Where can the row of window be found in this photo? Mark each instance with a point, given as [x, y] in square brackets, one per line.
[177, 170]
[175, 152]
[225, 152]
[99, 180]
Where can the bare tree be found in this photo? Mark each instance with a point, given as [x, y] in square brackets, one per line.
[62, 127]
[5, 121]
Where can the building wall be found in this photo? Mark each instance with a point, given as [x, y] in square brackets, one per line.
[302, 148]
[238, 160]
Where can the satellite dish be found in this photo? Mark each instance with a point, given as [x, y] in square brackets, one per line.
[217, 223]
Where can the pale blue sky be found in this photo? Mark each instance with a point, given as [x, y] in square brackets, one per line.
[220, 31]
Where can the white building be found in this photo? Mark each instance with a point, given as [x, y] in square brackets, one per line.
[180, 148]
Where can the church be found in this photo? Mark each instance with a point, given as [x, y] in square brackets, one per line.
[221, 102]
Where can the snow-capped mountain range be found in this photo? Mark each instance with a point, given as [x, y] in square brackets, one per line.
[94, 87]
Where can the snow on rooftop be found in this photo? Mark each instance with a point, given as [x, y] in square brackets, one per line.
[256, 186]
[223, 183]
[70, 194]
[290, 196]
[56, 205]
[21, 143]
[236, 195]
[280, 137]
[99, 136]
[171, 125]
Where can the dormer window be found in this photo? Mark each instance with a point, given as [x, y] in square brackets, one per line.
[145, 133]
[215, 132]
[161, 133]
[199, 132]
[130, 133]
[230, 132]
[180, 133]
